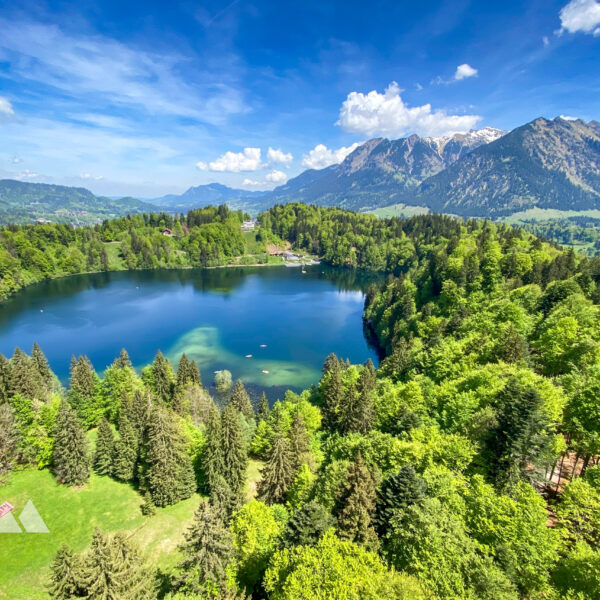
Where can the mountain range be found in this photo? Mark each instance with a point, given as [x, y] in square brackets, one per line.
[483, 173]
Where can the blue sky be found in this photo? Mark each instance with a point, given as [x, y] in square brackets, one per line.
[146, 98]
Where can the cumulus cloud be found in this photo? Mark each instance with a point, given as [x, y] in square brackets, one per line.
[90, 176]
[387, 115]
[276, 177]
[250, 182]
[321, 156]
[580, 15]
[234, 162]
[464, 71]
[6, 108]
[279, 157]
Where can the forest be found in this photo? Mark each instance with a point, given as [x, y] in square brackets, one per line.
[464, 467]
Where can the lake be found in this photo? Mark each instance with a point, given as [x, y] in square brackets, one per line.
[286, 320]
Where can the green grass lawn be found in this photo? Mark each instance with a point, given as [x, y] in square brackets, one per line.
[399, 210]
[543, 214]
[71, 516]
[253, 246]
[112, 251]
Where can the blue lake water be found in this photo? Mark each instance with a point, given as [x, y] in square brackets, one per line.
[288, 321]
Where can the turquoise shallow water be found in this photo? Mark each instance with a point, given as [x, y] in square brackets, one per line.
[288, 321]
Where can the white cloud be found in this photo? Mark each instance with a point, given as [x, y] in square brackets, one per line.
[26, 174]
[276, 177]
[580, 15]
[234, 162]
[250, 182]
[279, 157]
[464, 71]
[568, 118]
[6, 108]
[546, 41]
[386, 114]
[321, 156]
[100, 68]
[15, 160]
[89, 176]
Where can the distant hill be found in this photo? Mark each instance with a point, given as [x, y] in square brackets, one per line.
[381, 171]
[25, 202]
[543, 164]
[212, 193]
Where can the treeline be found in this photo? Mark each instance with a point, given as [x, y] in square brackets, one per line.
[203, 237]
[579, 232]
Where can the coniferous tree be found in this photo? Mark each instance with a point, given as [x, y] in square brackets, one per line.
[138, 412]
[10, 438]
[169, 475]
[299, 442]
[307, 525]
[125, 451]
[83, 391]
[162, 377]
[362, 413]
[355, 505]
[207, 551]
[187, 373]
[114, 569]
[212, 463]
[70, 455]
[520, 444]
[223, 498]
[278, 472]
[330, 362]
[103, 455]
[396, 492]
[4, 379]
[241, 400]
[41, 363]
[123, 360]
[263, 408]
[65, 577]
[235, 453]
[333, 397]
[183, 369]
[24, 378]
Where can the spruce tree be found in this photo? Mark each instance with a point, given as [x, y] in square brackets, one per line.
[398, 491]
[70, 455]
[169, 475]
[182, 377]
[4, 379]
[212, 463]
[104, 448]
[299, 442]
[65, 576]
[263, 408]
[235, 453]
[10, 439]
[123, 360]
[41, 363]
[355, 504]
[307, 525]
[138, 412]
[24, 378]
[207, 551]
[84, 391]
[223, 499]
[241, 400]
[330, 362]
[187, 373]
[333, 396]
[162, 377]
[278, 473]
[113, 569]
[360, 413]
[125, 451]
